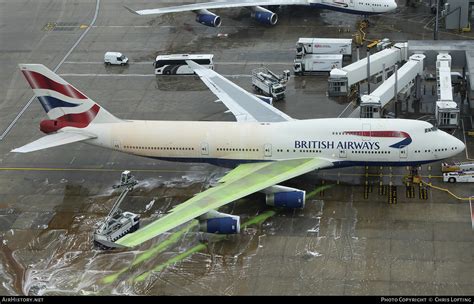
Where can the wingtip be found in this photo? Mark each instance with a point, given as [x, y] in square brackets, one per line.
[131, 10]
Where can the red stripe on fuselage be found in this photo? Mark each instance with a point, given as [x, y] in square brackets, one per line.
[39, 81]
[379, 133]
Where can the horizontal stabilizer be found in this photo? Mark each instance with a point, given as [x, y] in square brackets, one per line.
[53, 140]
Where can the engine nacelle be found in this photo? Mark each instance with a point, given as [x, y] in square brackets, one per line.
[281, 196]
[219, 223]
[207, 18]
[264, 16]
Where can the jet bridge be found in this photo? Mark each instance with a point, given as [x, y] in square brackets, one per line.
[342, 80]
[371, 105]
[447, 111]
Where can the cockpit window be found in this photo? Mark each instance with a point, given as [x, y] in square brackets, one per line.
[432, 129]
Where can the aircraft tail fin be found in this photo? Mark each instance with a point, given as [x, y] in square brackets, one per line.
[61, 101]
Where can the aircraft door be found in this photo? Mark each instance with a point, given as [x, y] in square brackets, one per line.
[204, 148]
[267, 150]
[342, 153]
[350, 3]
[366, 132]
[117, 144]
[403, 152]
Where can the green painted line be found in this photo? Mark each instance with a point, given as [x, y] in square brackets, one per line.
[150, 253]
[317, 190]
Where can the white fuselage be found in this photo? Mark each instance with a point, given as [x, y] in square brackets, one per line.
[231, 143]
[361, 7]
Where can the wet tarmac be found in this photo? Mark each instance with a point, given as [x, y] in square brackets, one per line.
[344, 242]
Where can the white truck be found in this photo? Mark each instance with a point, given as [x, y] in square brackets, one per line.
[311, 64]
[270, 84]
[457, 166]
[460, 177]
[323, 46]
[115, 58]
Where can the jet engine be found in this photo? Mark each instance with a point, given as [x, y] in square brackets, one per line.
[219, 223]
[207, 18]
[281, 196]
[264, 16]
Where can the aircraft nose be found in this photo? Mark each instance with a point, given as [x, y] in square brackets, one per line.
[460, 145]
[457, 145]
[393, 5]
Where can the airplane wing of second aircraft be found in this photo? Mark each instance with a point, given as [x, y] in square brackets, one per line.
[216, 4]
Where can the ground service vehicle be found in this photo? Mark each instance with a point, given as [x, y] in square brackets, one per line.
[457, 166]
[268, 83]
[175, 64]
[323, 46]
[459, 177]
[116, 58]
[311, 64]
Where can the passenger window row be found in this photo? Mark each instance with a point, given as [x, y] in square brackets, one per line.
[371, 152]
[159, 148]
[238, 149]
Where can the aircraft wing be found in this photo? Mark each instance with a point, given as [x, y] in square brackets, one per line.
[215, 4]
[245, 106]
[53, 140]
[239, 182]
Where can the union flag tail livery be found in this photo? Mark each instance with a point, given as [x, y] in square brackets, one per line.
[65, 105]
[71, 113]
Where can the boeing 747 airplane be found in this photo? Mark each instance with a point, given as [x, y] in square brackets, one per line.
[263, 148]
[265, 16]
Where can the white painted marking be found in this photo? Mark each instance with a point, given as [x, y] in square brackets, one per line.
[106, 75]
[101, 62]
[140, 75]
[252, 62]
[216, 63]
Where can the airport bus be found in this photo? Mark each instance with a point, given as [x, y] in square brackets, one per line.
[176, 65]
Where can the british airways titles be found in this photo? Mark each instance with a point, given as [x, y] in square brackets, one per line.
[330, 144]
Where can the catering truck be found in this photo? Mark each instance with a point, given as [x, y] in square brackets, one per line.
[323, 46]
[313, 64]
[270, 84]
